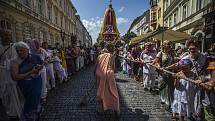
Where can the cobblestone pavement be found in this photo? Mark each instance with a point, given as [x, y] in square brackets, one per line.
[135, 103]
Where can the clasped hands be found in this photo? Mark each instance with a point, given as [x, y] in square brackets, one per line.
[207, 85]
[36, 69]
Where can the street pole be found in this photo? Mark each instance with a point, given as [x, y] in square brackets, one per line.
[162, 28]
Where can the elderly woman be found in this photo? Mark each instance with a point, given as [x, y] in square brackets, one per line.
[25, 70]
[165, 58]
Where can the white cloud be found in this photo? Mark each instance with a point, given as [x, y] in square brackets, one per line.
[121, 9]
[93, 25]
[122, 20]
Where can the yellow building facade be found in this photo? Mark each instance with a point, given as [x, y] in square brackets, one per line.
[153, 14]
[52, 21]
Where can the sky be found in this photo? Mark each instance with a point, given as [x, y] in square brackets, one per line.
[92, 13]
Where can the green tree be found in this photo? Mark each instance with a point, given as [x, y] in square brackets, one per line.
[128, 36]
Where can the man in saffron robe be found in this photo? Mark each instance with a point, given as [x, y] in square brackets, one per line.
[107, 94]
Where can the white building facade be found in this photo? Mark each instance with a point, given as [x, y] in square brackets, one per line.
[186, 16]
[141, 24]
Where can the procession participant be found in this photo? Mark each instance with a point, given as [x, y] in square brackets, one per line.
[10, 96]
[69, 61]
[82, 55]
[92, 55]
[37, 50]
[200, 63]
[49, 67]
[61, 73]
[61, 55]
[209, 94]
[149, 73]
[129, 63]
[73, 58]
[107, 94]
[77, 61]
[182, 103]
[163, 59]
[136, 54]
[25, 70]
[124, 62]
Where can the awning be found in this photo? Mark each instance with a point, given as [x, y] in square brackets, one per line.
[139, 39]
[173, 36]
[169, 34]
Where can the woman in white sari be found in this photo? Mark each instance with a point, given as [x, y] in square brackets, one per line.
[10, 94]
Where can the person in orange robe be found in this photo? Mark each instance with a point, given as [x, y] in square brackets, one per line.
[107, 94]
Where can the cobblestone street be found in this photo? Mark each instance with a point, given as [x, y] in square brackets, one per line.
[135, 103]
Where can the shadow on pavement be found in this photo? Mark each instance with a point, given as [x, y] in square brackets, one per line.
[126, 113]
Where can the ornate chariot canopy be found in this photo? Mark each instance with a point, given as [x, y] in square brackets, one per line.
[109, 30]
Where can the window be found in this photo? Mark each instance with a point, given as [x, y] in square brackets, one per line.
[5, 25]
[61, 21]
[42, 36]
[167, 4]
[27, 3]
[49, 38]
[40, 11]
[170, 21]
[49, 10]
[175, 18]
[184, 12]
[59, 1]
[56, 17]
[159, 13]
[199, 5]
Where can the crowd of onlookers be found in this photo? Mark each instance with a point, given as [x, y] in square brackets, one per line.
[30, 70]
[185, 99]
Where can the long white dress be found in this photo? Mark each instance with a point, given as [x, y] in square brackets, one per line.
[183, 103]
[59, 69]
[82, 58]
[50, 72]
[11, 96]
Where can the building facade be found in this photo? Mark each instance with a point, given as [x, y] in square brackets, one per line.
[153, 14]
[87, 39]
[79, 31]
[141, 24]
[52, 21]
[187, 16]
[160, 11]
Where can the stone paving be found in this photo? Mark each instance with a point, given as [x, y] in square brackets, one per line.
[135, 103]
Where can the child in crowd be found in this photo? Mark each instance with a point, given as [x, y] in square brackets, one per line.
[182, 104]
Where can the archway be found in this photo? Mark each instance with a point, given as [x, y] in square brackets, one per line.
[201, 39]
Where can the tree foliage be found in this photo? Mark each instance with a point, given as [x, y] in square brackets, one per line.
[128, 36]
